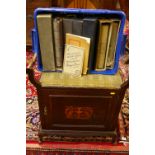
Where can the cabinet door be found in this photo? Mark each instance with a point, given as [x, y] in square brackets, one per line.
[80, 112]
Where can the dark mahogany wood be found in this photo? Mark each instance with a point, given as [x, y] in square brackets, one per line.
[78, 111]
[31, 5]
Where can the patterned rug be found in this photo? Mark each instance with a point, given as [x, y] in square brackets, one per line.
[68, 148]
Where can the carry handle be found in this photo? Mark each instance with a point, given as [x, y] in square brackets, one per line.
[33, 34]
[30, 73]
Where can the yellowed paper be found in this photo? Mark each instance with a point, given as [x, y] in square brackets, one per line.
[73, 60]
[82, 42]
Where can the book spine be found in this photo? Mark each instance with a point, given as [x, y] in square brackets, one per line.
[90, 31]
[67, 27]
[112, 45]
[104, 28]
[58, 40]
[77, 25]
[45, 31]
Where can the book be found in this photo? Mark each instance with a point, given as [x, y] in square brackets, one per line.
[72, 26]
[45, 32]
[67, 26]
[73, 60]
[77, 26]
[58, 41]
[103, 44]
[90, 31]
[82, 42]
[113, 42]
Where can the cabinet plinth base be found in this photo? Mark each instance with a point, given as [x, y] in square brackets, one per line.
[74, 135]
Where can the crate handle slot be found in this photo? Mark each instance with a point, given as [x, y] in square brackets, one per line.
[33, 34]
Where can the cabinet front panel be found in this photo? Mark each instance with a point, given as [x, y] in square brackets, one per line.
[74, 112]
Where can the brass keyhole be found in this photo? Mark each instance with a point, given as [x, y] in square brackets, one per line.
[112, 93]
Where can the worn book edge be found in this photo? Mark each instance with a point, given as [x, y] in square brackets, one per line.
[45, 32]
[101, 22]
[113, 53]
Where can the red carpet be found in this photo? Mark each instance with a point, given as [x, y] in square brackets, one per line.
[76, 148]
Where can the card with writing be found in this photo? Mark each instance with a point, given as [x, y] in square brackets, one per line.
[73, 60]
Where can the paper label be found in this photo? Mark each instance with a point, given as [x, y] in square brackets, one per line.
[73, 60]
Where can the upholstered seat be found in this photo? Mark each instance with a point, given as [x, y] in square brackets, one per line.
[85, 81]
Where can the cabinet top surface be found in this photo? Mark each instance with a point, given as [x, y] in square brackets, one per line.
[86, 81]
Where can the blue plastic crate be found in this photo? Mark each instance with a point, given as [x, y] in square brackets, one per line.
[89, 12]
[123, 44]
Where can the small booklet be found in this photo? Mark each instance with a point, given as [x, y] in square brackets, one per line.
[73, 60]
[82, 42]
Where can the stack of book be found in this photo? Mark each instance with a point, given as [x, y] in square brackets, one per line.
[77, 45]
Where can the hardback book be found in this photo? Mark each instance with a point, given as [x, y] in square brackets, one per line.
[103, 44]
[113, 42]
[58, 41]
[73, 60]
[45, 31]
[67, 26]
[77, 26]
[82, 42]
[72, 26]
[90, 31]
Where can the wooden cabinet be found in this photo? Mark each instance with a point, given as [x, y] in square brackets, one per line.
[76, 111]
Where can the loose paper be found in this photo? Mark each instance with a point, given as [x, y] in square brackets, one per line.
[73, 60]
